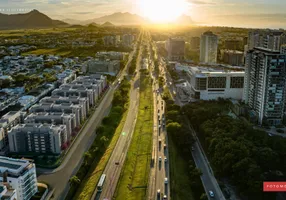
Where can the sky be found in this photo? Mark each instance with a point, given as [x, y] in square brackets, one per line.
[242, 13]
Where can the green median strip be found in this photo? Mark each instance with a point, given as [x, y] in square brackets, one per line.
[134, 176]
[83, 184]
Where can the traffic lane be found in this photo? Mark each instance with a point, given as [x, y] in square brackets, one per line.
[112, 171]
[206, 176]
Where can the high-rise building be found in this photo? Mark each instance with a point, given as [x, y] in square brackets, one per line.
[175, 49]
[268, 39]
[232, 44]
[232, 57]
[20, 174]
[265, 77]
[195, 43]
[208, 47]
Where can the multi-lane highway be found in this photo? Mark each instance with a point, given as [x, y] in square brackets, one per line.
[158, 187]
[116, 161]
[58, 179]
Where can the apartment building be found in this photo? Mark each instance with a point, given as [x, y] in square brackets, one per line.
[20, 174]
[68, 120]
[265, 84]
[208, 48]
[176, 49]
[38, 138]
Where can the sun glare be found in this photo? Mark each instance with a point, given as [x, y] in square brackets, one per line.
[161, 11]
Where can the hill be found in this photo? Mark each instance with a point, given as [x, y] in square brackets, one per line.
[118, 19]
[33, 19]
[107, 24]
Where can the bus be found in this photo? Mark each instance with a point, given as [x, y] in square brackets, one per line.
[101, 182]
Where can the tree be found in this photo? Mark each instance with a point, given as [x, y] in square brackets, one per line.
[87, 158]
[74, 181]
[104, 140]
[173, 127]
[204, 197]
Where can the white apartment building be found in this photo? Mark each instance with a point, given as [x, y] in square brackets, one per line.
[208, 48]
[265, 84]
[7, 192]
[83, 102]
[20, 174]
[67, 108]
[38, 138]
[68, 120]
[210, 83]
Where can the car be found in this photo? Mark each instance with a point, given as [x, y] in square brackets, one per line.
[158, 194]
[165, 197]
[159, 126]
[160, 141]
[165, 159]
[116, 163]
[211, 193]
[165, 146]
[158, 110]
[166, 180]
[160, 159]
[193, 148]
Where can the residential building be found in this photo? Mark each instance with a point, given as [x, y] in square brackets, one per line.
[7, 192]
[68, 120]
[283, 49]
[95, 66]
[99, 78]
[37, 138]
[269, 39]
[232, 57]
[208, 47]
[20, 174]
[128, 39]
[83, 92]
[232, 44]
[265, 84]
[211, 83]
[109, 40]
[112, 55]
[67, 108]
[83, 102]
[195, 43]
[175, 49]
[3, 138]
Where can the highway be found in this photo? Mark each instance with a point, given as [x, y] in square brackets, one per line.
[159, 168]
[113, 170]
[208, 179]
[58, 179]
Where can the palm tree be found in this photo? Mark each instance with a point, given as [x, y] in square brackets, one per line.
[86, 158]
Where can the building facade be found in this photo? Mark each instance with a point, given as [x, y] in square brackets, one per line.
[265, 84]
[232, 57]
[175, 49]
[208, 47]
[38, 138]
[195, 43]
[210, 83]
[20, 174]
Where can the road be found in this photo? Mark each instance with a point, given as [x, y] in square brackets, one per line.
[159, 168]
[112, 170]
[58, 179]
[208, 179]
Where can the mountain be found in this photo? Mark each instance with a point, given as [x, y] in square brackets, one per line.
[107, 24]
[118, 19]
[72, 21]
[184, 20]
[33, 19]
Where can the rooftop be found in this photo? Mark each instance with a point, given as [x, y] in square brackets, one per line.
[11, 163]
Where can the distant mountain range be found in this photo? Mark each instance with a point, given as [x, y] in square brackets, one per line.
[127, 19]
[36, 19]
[33, 19]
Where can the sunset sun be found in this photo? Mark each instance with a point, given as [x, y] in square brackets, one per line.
[162, 10]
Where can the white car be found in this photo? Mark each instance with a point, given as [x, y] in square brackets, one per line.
[165, 197]
[166, 181]
[211, 193]
[165, 159]
[160, 159]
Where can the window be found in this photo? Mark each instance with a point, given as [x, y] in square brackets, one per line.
[236, 82]
[216, 82]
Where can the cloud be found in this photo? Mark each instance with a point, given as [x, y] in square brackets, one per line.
[83, 13]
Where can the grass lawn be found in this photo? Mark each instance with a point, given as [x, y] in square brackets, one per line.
[22, 32]
[60, 52]
[134, 176]
[88, 185]
[180, 183]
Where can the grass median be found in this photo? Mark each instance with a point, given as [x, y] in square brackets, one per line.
[134, 176]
